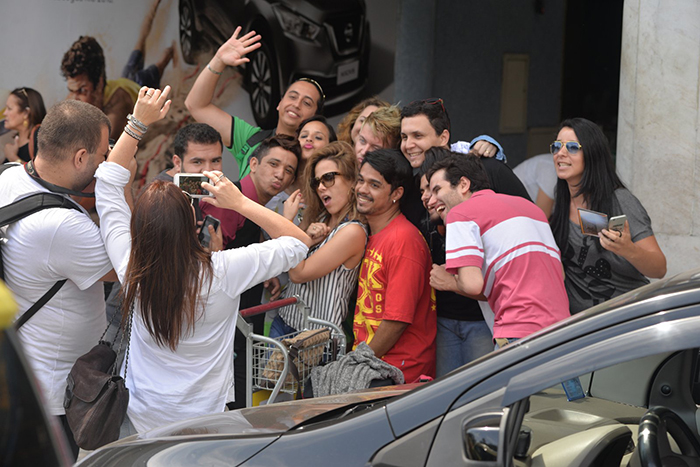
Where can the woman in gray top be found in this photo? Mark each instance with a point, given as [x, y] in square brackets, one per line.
[614, 262]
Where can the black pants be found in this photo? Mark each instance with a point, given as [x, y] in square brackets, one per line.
[249, 298]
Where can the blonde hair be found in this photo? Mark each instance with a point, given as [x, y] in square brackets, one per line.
[385, 123]
[346, 124]
[344, 156]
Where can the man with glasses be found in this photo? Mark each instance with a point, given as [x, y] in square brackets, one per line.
[499, 248]
[303, 99]
[56, 244]
[395, 312]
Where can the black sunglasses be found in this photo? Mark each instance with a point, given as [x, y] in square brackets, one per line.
[328, 180]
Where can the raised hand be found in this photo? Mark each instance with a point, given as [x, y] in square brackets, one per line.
[233, 52]
[152, 105]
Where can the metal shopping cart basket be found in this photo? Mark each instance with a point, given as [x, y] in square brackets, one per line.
[271, 363]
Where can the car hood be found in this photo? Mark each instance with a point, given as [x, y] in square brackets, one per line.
[274, 418]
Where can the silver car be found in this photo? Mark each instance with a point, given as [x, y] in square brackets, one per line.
[616, 385]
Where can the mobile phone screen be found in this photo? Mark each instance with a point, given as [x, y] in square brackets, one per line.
[192, 184]
[204, 237]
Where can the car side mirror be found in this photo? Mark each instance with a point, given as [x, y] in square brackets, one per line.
[482, 436]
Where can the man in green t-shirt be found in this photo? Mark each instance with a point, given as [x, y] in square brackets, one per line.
[303, 99]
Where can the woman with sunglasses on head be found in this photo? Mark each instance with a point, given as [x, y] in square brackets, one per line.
[327, 278]
[598, 268]
[24, 111]
[184, 298]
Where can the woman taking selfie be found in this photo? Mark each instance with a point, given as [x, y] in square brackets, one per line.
[326, 279]
[600, 267]
[185, 299]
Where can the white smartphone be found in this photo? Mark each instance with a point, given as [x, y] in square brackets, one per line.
[192, 184]
[617, 223]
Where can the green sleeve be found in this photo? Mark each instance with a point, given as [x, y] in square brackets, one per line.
[240, 132]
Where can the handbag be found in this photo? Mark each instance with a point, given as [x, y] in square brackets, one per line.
[305, 351]
[96, 396]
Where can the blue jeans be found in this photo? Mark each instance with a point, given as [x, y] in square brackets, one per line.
[460, 342]
[280, 328]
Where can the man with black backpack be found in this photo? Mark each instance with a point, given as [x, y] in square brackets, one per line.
[56, 255]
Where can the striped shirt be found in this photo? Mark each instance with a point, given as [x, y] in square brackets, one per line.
[510, 240]
[327, 296]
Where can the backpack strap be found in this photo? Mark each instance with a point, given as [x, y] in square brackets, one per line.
[251, 142]
[21, 209]
[40, 303]
[32, 204]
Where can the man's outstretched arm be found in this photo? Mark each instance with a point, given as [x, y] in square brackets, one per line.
[199, 100]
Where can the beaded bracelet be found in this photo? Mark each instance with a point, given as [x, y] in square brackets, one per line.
[138, 125]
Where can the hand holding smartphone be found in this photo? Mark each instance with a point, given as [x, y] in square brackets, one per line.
[617, 223]
[204, 236]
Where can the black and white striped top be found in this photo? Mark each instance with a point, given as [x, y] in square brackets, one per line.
[328, 295]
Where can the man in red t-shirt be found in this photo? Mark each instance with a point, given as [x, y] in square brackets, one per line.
[395, 311]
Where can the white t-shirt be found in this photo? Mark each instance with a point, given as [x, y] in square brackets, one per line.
[43, 248]
[538, 173]
[166, 386]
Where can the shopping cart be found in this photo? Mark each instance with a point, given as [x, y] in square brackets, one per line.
[261, 349]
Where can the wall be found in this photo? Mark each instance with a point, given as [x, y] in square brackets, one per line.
[469, 40]
[658, 153]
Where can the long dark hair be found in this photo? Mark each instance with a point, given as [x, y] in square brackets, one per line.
[598, 183]
[167, 266]
[31, 100]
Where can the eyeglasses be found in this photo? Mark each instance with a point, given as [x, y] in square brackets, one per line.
[23, 91]
[572, 146]
[431, 101]
[328, 180]
[189, 197]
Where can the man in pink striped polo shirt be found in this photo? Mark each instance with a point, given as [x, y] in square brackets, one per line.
[500, 248]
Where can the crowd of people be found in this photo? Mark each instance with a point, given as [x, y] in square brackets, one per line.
[429, 250]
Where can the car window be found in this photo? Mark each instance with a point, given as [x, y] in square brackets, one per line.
[622, 370]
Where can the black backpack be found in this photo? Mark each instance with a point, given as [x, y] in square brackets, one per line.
[19, 210]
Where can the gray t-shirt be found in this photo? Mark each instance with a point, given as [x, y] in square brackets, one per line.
[593, 274]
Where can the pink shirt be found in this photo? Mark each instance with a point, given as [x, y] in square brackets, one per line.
[510, 240]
